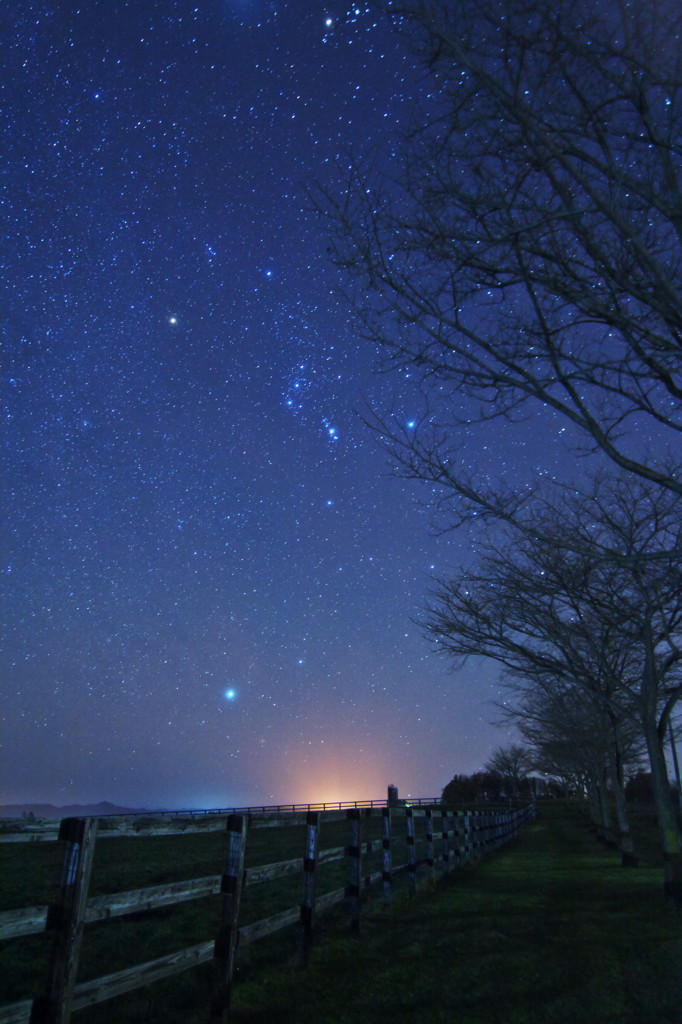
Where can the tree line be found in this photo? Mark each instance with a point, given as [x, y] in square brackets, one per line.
[521, 254]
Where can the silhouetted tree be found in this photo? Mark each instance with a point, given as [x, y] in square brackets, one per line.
[524, 247]
[523, 250]
[572, 735]
[564, 624]
[512, 764]
[470, 788]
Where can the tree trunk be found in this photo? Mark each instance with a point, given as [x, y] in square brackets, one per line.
[594, 805]
[669, 826]
[625, 843]
[608, 835]
[666, 812]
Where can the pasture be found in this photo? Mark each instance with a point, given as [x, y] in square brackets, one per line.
[550, 930]
[134, 875]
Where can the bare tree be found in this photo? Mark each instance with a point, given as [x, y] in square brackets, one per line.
[512, 763]
[561, 622]
[564, 687]
[526, 245]
[576, 735]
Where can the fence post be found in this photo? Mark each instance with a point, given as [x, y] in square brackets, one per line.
[309, 866]
[468, 837]
[497, 830]
[411, 851]
[354, 852]
[386, 874]
[445, 832]
[455, 851]
[225, 949]
[477, 835]
[429, 843]
[463, 836]
[485, 832]
[67, 919]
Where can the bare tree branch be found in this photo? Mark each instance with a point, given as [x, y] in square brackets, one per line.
[529, 249]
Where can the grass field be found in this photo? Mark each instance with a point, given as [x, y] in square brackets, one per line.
[551, 929]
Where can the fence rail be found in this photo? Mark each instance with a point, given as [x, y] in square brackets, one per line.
[461, 835]
[168, 823]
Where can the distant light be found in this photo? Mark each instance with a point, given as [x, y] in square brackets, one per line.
[230, 694]
[411, 424]
[172, 319]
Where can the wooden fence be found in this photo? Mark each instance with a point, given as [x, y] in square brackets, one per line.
[426, 837]
[42, 830]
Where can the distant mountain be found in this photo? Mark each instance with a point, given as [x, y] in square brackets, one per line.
[69, 811]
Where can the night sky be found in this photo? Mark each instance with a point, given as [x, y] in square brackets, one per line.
[210, 569]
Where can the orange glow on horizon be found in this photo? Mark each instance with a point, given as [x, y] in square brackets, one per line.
[326, 776]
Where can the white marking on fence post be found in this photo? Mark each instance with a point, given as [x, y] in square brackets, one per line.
[386, 873]
[309, 876]
[354, 854]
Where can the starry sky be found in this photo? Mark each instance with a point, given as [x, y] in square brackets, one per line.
[210, 569]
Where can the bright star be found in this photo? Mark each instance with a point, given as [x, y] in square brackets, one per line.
[230, 694]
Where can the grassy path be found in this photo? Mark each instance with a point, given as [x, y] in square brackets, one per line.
[550, 930]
